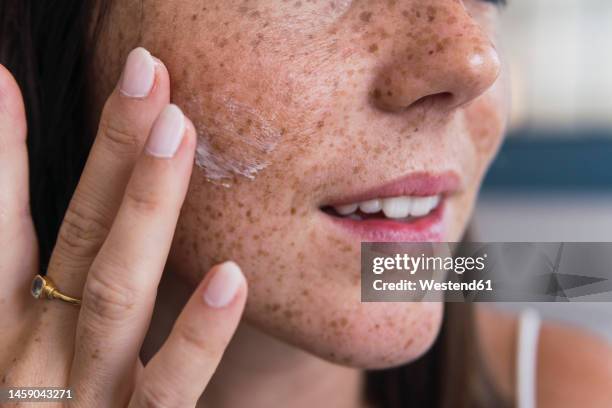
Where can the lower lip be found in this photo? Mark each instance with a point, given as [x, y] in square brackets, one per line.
[425, 229]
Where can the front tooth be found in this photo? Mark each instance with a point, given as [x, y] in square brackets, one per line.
[346, 209]
[435, 200]
[397, 207]
[422, 206]
[371, 207]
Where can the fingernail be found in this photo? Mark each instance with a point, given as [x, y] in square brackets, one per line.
[167, 133]
[223, 285]
[139, 74]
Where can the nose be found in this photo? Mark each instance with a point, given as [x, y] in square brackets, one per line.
[449, 60]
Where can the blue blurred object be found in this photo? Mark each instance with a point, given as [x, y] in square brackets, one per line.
[553, 160]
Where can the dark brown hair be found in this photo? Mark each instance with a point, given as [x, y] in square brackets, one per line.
[47, 45]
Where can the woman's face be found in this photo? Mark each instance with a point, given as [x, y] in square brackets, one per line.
[303, 105]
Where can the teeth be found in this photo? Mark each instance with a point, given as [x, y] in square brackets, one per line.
[392, 207]
[371, 207]
[397, 207]
[421, 206]
[346, 209]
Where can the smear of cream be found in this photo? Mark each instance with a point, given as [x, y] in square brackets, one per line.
[234, 138]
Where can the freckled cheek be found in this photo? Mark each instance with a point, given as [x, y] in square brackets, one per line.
[288, 288]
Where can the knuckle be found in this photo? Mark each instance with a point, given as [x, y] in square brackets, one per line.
[106, 299]
[82, 230]
[119, 138]
[192, 339]
[151, 396]
[143, 199]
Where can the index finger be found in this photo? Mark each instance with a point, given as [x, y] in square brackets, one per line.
[178, 374]
[129, 113]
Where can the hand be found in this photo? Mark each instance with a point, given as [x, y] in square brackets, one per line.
[111, 251]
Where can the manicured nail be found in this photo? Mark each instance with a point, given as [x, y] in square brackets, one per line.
[138, 75]
[223, 285]
[167, 133]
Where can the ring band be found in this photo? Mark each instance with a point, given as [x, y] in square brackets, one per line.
[43, 286]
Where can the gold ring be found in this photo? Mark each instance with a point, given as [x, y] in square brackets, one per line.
[44, 286]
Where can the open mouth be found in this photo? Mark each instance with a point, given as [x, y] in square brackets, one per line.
[408, 210]
[403, 208]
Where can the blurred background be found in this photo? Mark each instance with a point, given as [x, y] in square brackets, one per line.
[553, 178]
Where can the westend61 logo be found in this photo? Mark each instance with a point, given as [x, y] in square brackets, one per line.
[486, 272]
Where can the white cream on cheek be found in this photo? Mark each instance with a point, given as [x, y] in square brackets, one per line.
[234, 138]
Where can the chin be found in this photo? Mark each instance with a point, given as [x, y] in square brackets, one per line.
[359, 335]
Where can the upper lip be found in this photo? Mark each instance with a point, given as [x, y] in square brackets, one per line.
[420, 184]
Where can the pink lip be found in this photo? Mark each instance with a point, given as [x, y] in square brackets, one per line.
[416, 184]
[426, 229]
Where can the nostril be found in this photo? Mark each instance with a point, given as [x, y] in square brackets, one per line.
[441, 99]
[387, 101]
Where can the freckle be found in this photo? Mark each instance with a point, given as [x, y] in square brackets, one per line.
[293, 210]
[408, 344]
[298, 4]
[373, 48]
[365, 16]
[194, 17]
[377, 94]
[320, 124]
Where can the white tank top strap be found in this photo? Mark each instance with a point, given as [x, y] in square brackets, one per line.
[526, 358]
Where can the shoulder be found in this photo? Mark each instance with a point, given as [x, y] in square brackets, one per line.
[574, 366]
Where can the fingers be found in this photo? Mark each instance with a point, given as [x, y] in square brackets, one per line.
[16, 229]
[13, 151]
[128, 115]
[121, 287]
[179, 372]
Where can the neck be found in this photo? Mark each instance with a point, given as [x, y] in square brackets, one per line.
[258, 370]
